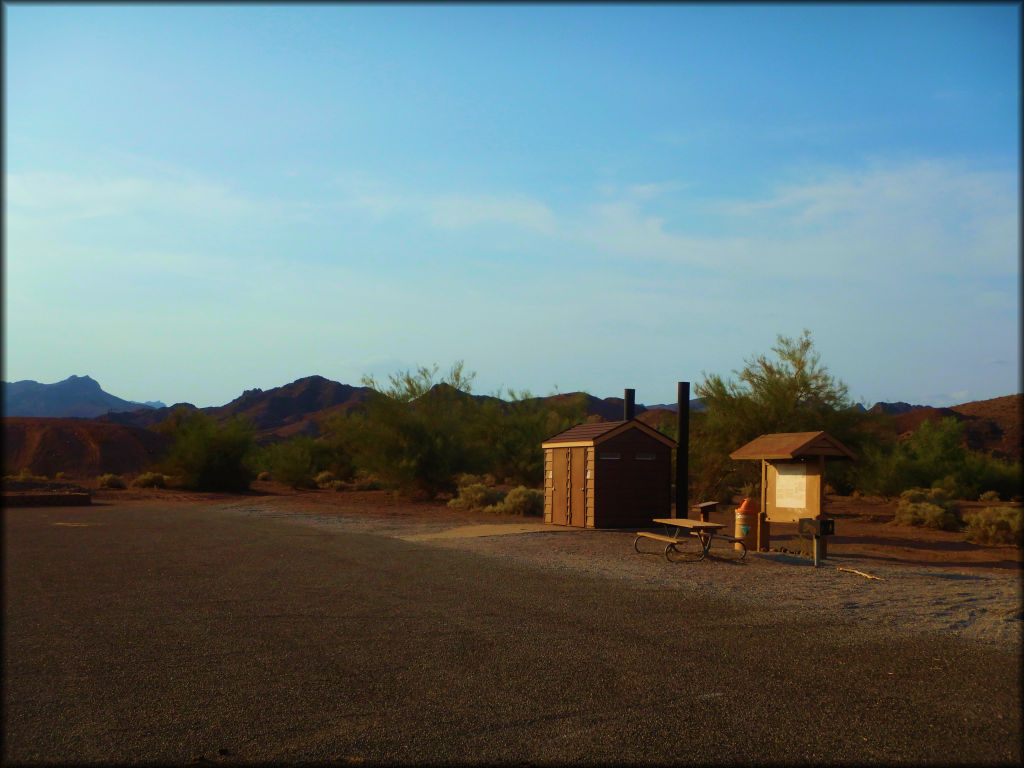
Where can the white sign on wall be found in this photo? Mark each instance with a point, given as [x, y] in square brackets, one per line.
[791, 486]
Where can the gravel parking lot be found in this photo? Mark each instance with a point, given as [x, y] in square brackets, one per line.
[246, 631]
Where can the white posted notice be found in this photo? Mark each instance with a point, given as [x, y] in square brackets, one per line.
[791, 486]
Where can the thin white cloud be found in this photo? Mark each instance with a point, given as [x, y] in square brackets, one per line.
[67, 197]
[466, 212]
[450, 212]
[929, 218]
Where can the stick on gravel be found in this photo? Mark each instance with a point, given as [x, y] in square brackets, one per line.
[861, 573]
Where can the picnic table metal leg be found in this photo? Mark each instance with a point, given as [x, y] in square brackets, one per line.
[698, 555]
[705, 541]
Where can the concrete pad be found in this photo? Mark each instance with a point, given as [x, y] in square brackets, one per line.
[488, 529]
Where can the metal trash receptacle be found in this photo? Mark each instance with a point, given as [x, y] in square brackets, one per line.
[746, 524]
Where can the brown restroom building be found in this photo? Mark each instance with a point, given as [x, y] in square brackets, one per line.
[615, 474]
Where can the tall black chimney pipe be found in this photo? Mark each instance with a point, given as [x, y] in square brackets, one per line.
[628, 406]
[682, 450]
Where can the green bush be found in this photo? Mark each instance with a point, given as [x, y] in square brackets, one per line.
[989, 496]
[325, 479]
[520, 501]
[417, 434]
[263, 476]
[996, 525]
[463, 479]
[982, 471]
[927, 515]
[25, 476]
[929, 508]
[367, 483]
[292, 462]
[475, 496]
[914, 495]
[210, 456]
[111, 481]
[935, 456]
[421, 433]
[150, 480]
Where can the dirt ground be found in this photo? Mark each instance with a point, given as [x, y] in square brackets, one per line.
[876, 574]
[864, 527]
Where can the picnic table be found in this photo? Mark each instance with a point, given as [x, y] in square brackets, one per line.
[685, 531]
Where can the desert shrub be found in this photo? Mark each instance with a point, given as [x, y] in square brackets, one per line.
[111, 481]
[367, 484]
[475, 496]
[294, 462]
[324, 479]
[150, 480]
[211, 456]
[989, 496]
[514, 430]
[336, 485]
[464, 479]
[262, 476]
[929, 508]
[420, 434]
[59, 476]
[914, 495]
[982, 471]
[996, 525]
[520, 501]
[926, 515]
[25, 475]
[936, 456]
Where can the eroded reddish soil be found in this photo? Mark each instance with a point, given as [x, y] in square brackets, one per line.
[79, 448]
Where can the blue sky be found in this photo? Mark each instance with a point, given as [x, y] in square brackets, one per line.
[205, 199]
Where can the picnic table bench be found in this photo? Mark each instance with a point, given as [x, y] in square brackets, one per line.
[685, 532]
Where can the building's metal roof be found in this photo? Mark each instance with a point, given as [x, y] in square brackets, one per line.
[793, 445]
[594, 433]
[583, 432]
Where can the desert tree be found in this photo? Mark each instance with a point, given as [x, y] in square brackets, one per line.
[207, 455]
[790, 391]
[515, 428]
[418, 431]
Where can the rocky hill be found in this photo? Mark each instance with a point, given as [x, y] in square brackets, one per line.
[80, 448]
[122, 441]
[76, 396]
[276, 413]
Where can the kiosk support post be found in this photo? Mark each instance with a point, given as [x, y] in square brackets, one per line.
[762, 546]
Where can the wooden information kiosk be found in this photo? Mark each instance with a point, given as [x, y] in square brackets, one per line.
[792, 470]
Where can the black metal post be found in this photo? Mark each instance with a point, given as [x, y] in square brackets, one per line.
[682, 450]
[629, 404]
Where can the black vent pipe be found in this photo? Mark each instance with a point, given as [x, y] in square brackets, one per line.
[628, 405]
[682, 450]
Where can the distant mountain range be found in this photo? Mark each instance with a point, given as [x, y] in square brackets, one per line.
[300, 407]
[108, 433]
[76, 396]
